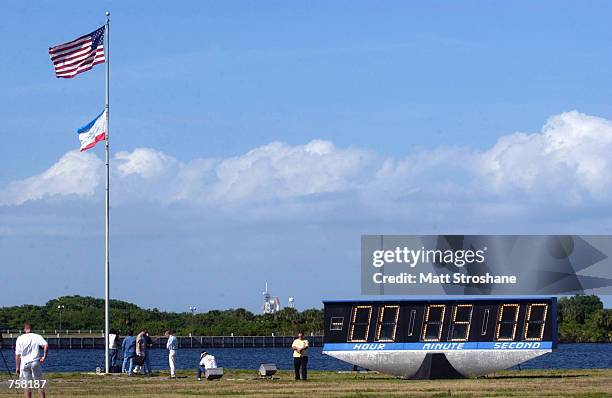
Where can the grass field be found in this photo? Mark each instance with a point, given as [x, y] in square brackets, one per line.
[235, 383]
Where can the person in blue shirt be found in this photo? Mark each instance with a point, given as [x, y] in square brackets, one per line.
[128, 347]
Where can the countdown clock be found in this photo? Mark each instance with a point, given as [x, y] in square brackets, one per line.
[440, 338]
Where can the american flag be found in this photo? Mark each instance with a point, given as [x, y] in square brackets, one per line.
[79, 55]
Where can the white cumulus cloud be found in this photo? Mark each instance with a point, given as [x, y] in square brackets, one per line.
[567, 162]
[145, 162]
[278, 170]
[75, 174]
[570, 158]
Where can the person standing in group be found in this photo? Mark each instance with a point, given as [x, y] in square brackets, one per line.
[148, 344]
[140, 353]
[28, 360]
[143, 343]
[172, 347]
[113, 347]
[128, 347]
[300, 356]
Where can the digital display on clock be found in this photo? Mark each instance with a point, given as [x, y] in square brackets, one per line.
[441, 320]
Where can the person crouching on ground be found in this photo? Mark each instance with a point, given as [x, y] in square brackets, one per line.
[28, 360]
[300, 356]
[172, 347]
[128, 347]
[207, 361]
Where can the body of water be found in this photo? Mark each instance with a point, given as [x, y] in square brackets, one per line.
[567, 356]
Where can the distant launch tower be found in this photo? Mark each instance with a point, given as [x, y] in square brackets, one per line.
[270, 304]
[266, 301]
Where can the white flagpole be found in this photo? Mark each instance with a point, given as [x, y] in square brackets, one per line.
[107, 197]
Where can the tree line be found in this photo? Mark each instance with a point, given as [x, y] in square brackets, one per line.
[84, 313]
[581, 319]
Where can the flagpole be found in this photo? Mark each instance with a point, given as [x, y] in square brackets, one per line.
[107, 199]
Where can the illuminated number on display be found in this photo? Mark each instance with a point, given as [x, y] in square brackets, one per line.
[485, 322]
[337, 323]
[387, 323]
[360, 323]
[460, 324]
[535, 321]
[411, 323]
[432, 323]
[506, 322]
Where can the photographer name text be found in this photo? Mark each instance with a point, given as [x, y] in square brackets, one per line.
[448, 278]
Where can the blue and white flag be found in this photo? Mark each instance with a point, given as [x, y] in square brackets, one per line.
[93, 132]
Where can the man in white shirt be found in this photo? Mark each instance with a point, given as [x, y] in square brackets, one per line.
[207, 361]
[113, 347]
[171, 346]
[28, 359]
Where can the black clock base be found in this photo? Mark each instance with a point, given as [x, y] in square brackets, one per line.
[436, 366]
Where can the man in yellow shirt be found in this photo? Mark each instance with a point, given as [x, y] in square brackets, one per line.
[300, 356]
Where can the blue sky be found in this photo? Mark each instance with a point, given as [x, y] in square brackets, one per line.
[392, 118]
